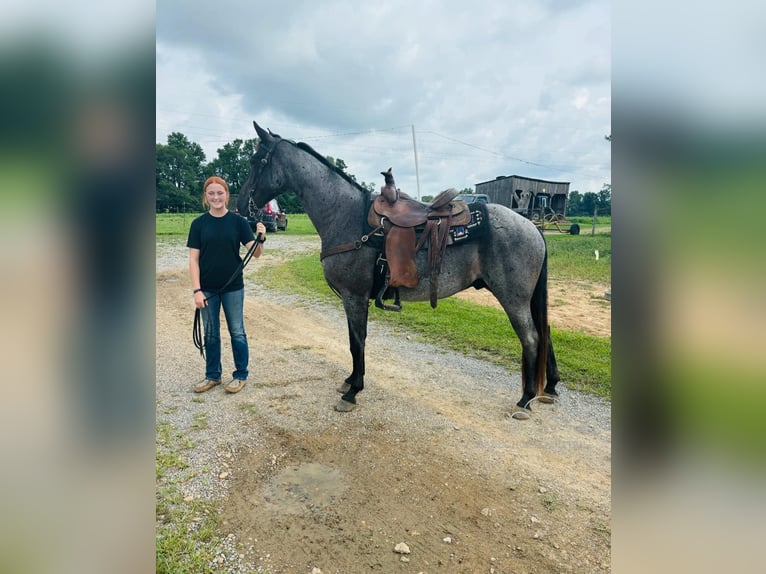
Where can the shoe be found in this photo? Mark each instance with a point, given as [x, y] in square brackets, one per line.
[235, 385]
[204, 385]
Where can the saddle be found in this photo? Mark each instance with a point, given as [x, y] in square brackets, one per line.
[402, 219]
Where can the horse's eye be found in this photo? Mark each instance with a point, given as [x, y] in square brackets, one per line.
[264, 161]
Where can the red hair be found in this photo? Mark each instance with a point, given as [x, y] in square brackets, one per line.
[208, 181]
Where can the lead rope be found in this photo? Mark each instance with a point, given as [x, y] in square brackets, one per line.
[197, 336]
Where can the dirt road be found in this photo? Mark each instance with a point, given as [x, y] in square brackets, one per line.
[429, 458]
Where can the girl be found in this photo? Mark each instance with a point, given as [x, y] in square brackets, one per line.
[214, 243]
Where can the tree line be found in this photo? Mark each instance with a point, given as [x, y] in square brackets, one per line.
[589, 202]
[181, 168]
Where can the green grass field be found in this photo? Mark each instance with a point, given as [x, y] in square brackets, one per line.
[178, 224]
[585, 220]
[573, 257]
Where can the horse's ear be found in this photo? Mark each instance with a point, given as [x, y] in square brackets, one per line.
[262, 134]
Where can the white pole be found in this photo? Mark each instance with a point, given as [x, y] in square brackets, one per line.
[415, 149]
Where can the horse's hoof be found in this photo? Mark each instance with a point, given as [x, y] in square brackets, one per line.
[344, 388]
[547, 398]
[519, 413]
[344, 406]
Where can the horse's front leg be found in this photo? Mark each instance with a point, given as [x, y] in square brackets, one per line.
[356, 316]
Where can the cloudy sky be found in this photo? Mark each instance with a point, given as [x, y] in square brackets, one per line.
[488, 87]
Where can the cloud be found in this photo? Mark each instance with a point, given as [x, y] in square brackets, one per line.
[497, 80]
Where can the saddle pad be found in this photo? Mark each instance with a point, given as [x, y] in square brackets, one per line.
[474, 228]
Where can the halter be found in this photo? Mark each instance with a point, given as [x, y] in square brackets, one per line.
[264, 162]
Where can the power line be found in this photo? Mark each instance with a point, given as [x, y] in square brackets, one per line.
[506, 156]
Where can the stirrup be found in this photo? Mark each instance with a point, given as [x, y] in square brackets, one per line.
[379, 299]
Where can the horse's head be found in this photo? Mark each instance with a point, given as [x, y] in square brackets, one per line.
[256, 188]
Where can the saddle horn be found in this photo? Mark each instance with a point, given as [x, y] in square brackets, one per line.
[389, 190]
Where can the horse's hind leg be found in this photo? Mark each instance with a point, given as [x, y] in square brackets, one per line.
[529, 366]
[525, 329]
[551, 370]
[356, 317]
[551, 375]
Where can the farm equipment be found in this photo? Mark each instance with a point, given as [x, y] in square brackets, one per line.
[546, 219]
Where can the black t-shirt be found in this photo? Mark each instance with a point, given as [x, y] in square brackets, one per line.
[219, 240]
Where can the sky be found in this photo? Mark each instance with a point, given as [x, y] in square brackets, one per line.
[447, 93]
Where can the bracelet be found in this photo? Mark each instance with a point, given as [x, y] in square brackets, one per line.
[261, 240]
[196, 291]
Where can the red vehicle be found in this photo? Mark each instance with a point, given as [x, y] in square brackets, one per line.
[271, 215]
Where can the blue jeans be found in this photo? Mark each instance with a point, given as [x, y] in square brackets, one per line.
[232, 302]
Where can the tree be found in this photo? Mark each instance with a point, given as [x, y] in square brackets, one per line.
[341, 165]
[233, 162]
[290, 203]
[574, 206]
[605, 199]
[179, 174]
[589, 203]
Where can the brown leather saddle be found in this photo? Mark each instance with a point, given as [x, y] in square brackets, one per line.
[409, 225]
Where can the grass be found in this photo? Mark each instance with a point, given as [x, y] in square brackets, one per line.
[187, 531]
[583, 220]
[250, 408]
[200, 421]
[178, 224]
[573, 257]
[174, 223]
[584, 361]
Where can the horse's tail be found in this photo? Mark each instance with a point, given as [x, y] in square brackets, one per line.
[539, 307]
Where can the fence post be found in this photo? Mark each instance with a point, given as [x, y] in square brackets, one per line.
[595, 212]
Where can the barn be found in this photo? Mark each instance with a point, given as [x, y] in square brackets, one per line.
[527, 195]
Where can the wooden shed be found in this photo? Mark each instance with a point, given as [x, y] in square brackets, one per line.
[527, 195]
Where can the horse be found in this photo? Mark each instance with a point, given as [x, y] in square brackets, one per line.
[510, 260]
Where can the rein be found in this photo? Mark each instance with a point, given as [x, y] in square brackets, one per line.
[197, 337]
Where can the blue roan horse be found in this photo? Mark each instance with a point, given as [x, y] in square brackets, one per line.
[510, 259]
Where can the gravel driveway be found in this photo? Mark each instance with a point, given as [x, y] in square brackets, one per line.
[429, 459]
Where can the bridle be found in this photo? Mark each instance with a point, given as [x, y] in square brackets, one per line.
[264, 162]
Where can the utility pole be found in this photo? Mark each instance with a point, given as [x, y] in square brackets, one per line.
[415, 149]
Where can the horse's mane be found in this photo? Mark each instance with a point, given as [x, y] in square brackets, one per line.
[307, 148]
